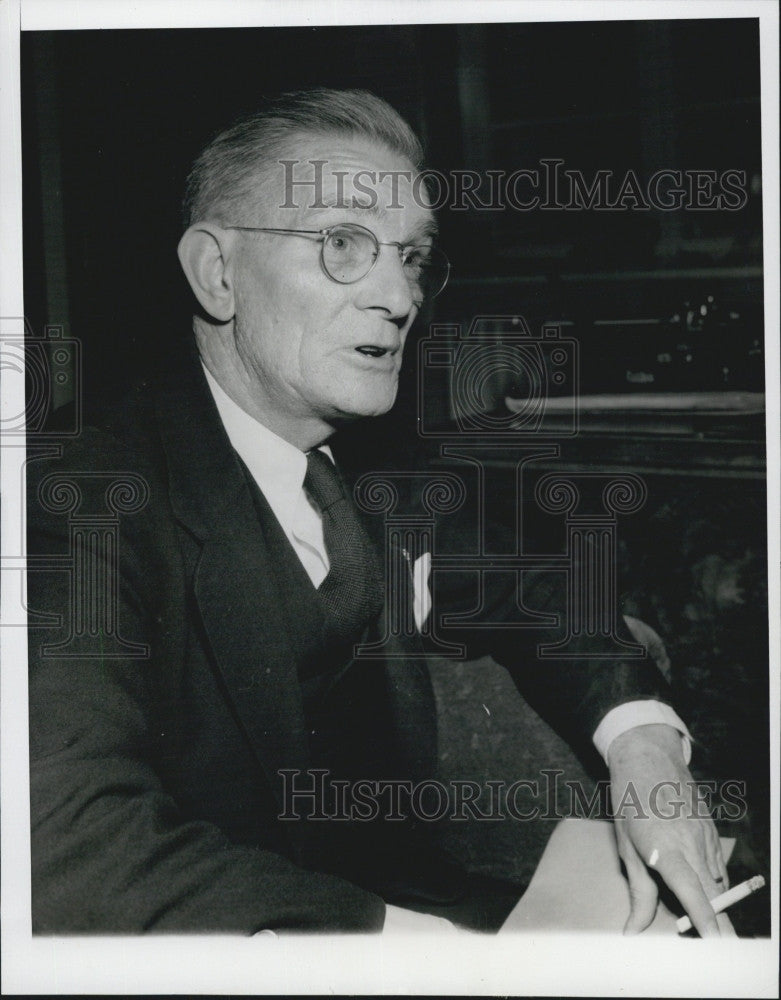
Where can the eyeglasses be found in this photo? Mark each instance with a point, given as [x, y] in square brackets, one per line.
[348, 252]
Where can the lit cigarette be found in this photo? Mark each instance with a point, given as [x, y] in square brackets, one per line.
[726, 899]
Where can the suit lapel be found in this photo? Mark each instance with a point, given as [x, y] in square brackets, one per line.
[239, 600]
[234, 583]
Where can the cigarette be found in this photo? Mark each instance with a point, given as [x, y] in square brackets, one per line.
[726, 899]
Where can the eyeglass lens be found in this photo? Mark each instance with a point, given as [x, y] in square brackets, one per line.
[349, 253]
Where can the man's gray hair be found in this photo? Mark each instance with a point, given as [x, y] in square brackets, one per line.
[225, 175]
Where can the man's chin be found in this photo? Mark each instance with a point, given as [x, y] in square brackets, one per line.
[362, 409]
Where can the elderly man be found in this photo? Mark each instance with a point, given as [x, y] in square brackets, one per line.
[247, 579]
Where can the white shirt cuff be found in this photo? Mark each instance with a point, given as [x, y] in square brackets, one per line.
[639, 713]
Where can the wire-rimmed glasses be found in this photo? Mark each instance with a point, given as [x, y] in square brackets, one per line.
[348, 252]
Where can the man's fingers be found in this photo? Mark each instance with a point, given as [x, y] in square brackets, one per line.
[707, 862]
[643, 897]
[725, 925]
[715, 859]
[716, 866]
[643, 894]
[684, 881]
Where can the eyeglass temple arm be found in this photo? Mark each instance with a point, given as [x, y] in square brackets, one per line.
[266, 229]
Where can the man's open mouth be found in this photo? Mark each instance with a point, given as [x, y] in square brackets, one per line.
[371, 351]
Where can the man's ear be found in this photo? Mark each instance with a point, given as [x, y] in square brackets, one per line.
[204, 253]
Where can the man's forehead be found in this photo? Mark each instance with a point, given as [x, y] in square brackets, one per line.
[348, 152]
[321, 174]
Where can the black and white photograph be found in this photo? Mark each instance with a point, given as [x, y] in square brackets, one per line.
[390, 498]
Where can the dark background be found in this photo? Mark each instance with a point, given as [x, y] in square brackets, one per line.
[112, 120]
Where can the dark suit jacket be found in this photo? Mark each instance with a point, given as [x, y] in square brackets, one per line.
[154, 776]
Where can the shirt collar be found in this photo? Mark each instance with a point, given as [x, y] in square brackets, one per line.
[277, 466]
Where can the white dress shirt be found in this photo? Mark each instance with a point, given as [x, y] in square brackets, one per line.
[279, 468]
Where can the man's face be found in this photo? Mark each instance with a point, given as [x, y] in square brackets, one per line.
[314, 348]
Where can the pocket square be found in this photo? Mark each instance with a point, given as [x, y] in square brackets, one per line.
[421, 601]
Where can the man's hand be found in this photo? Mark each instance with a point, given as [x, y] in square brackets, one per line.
[662, 823]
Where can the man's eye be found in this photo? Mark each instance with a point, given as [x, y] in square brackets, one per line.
[417, 259]
[344, 242]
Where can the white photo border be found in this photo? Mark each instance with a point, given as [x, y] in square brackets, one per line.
[347, 964]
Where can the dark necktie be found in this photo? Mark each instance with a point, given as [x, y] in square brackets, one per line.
[352, 590]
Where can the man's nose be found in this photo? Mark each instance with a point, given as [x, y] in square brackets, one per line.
[386, 286]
